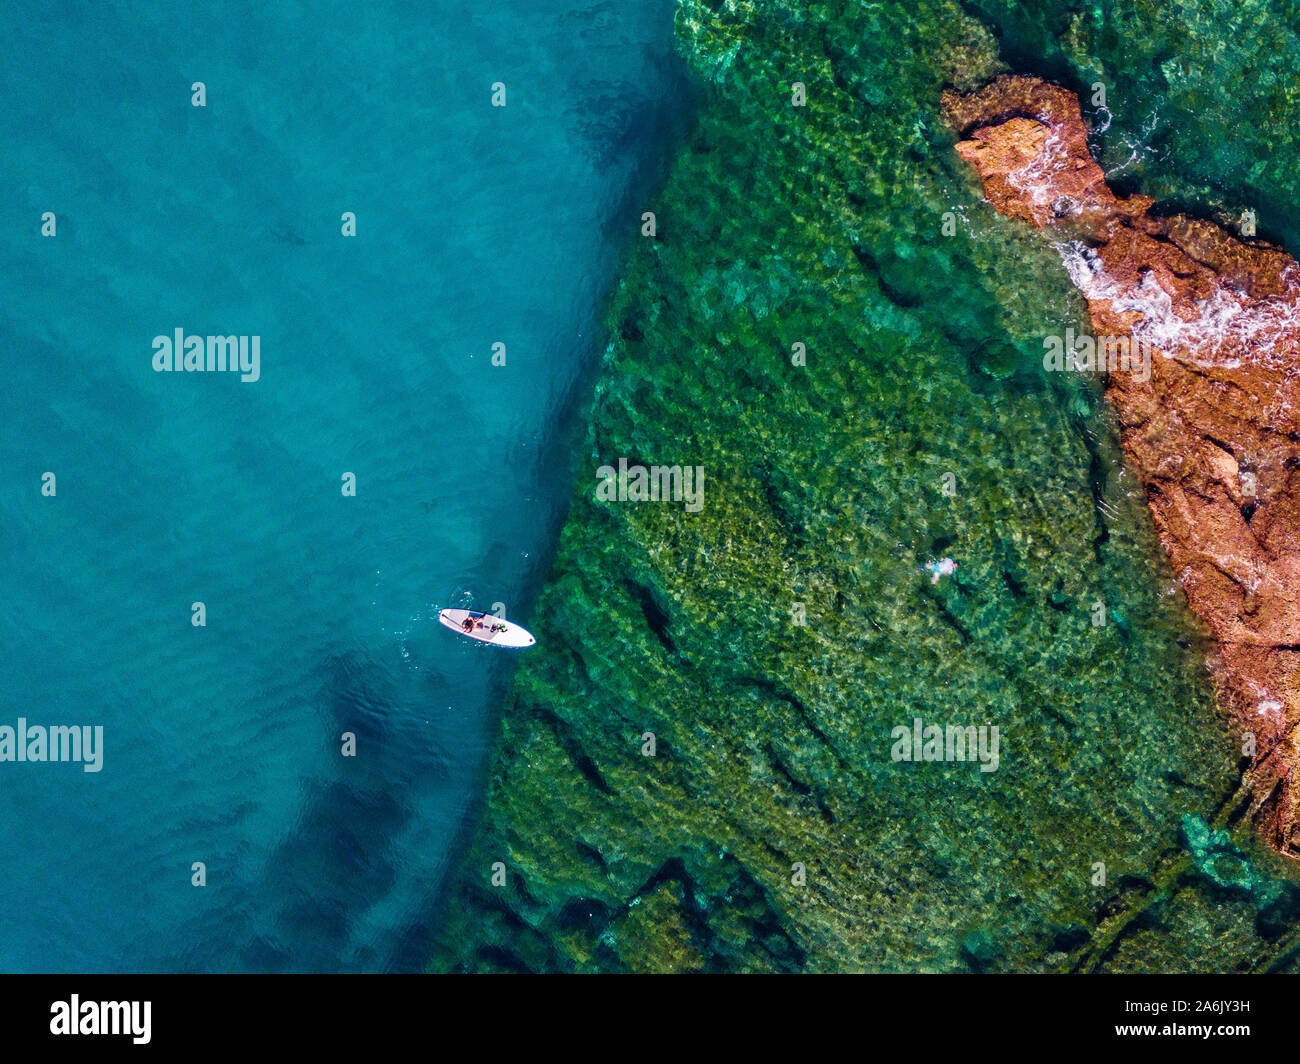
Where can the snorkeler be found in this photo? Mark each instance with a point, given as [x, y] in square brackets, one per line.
[943, 567]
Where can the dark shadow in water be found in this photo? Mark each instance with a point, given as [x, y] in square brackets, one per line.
[341, 856]
[636, 146]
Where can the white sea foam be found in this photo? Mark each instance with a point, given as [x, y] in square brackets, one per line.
[1226, 328]
[1266, 705]
[1139, 148]
[1036, 178]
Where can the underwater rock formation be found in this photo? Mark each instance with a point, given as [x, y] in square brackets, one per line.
[1210, 422]
[822, 225]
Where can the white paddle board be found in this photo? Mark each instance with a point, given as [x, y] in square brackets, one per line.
[487, 628]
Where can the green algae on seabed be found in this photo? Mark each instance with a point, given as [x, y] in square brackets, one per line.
[771, 830]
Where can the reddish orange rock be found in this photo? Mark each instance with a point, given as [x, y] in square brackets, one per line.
[1213, 429]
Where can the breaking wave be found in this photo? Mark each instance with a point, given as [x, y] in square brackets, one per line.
[1227, 329]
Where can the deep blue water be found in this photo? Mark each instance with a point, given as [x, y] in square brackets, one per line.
[474, 225]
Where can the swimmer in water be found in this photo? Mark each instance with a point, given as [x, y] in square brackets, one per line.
[943, 567]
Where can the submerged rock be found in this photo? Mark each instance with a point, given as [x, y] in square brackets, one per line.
[1205, 383]
[979, 950]
[1216, 857]
[769, 643]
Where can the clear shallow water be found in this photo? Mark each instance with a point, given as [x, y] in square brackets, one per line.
[824, 488]
[475, 225]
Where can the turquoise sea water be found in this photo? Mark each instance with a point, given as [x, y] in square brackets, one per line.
[474, 225]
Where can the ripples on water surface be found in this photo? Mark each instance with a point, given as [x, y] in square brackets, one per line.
[474, 225]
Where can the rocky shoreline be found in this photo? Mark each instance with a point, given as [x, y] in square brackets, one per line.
[1214, 430]
[772, 828]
